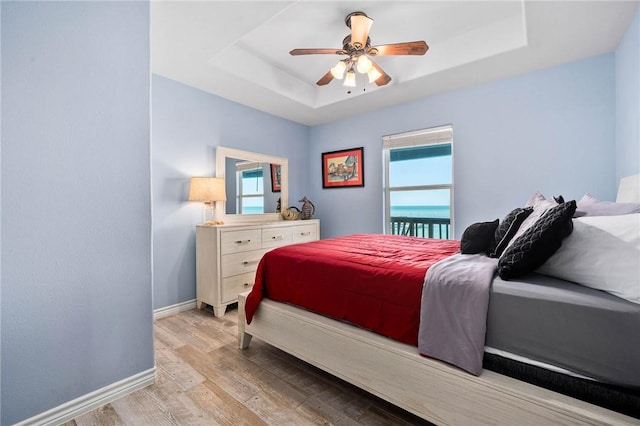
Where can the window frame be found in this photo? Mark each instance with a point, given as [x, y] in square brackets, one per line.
[240, 169]
[430, 136]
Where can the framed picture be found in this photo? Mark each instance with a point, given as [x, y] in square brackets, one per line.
[276, 178]
[343, 168]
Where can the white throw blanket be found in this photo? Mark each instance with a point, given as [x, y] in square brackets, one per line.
[453, 317]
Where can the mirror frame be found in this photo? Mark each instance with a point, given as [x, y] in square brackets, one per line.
[222, 153]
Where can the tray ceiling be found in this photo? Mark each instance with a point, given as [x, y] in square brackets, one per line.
[240, 50]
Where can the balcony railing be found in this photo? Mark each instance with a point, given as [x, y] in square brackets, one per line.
[425, 227]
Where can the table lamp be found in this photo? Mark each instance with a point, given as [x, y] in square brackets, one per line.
[209, 190]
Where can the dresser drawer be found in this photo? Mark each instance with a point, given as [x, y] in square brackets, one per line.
[238, 241]
[233, 285]
[276, 237]
[305, 233]
[240, 263]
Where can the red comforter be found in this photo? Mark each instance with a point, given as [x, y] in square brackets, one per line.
[371, 280]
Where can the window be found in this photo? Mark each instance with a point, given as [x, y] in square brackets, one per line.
[418, 183]
[249, 178]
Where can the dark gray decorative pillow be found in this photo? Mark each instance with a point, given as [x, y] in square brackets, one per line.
[530, 250]
[477, 238]
[507, 229]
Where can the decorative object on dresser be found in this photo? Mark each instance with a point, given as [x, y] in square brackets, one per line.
[308, 209]
[291, 213]
[209, 190]
[227, 256]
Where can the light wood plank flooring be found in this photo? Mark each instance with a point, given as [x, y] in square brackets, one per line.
[203, 379]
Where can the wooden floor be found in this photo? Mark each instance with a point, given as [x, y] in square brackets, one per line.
[203, 379]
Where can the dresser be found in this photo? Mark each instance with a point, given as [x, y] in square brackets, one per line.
[227, 256]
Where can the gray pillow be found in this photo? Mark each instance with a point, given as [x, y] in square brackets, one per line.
[590, 206]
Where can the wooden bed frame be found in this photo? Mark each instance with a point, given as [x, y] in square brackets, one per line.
[396, 372]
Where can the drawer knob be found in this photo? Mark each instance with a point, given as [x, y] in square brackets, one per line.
[277, 237]
[249, 262]
[304, 234]
[242, 241]
[246, 284]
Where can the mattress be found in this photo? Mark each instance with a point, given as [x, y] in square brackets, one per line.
[585, 331]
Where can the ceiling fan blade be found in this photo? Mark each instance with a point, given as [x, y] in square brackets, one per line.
[360, 26]
[408, 48]
[384, 79]
[326, 79]
[296, 52]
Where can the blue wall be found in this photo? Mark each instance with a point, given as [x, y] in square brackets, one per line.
[551, 130]
[628, 101]
[76, 222]
[187, 125]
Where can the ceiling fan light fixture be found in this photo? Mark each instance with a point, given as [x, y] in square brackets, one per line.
[374, 74]
[356, 46]
[360, 25]
[350, 79]
[364, 64]
[338, 70]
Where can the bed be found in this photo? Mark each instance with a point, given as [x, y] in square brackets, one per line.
[443, 394]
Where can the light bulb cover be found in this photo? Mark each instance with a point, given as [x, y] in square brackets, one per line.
[350, 79]
[338, 70]
[374, 74]
[364, 64]
[360, 26]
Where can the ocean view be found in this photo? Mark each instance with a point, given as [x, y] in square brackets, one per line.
[421, 211]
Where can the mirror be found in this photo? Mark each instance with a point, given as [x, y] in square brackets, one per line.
[252, 187]
[254, 182]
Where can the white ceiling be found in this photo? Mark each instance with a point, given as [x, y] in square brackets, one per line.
[240, 50]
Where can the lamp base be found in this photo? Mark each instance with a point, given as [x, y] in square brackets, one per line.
[209, 215]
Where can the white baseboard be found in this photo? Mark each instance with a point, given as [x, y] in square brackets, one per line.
[174, 309]
[91, 401]
[110, 393]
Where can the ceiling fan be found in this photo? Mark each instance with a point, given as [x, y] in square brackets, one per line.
[357, 47]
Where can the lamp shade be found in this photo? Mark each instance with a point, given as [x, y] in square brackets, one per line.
[374, 74]
[338, 70]
[207, 189]
[364, 64]
[360, 26]
[350, 79]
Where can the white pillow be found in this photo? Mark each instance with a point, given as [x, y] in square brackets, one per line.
[602, 252]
